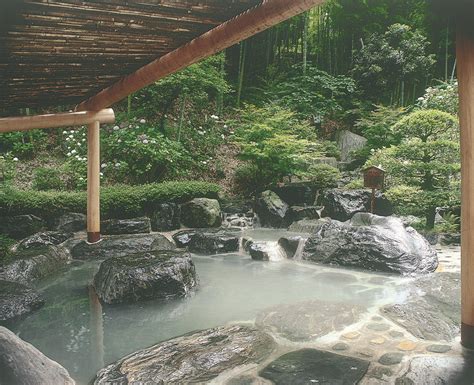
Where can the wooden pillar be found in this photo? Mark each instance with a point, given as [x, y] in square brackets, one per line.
[93, 182]
[465, 58]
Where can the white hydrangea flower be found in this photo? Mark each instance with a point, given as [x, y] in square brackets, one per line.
[145, 141]
[73, 151]
[116, 128]
[15, 159]
[142, 121]
[103, 165]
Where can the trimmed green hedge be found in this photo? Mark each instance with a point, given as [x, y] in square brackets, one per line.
[119, 201]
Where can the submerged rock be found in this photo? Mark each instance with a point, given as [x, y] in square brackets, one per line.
[308, 366]
[258, 251]
[194, 357]
[342, 204]
[23, 364]
[125, 226]
[70, 222]
[373, 243]
[34, 264]
[208, 241]
[120, 245]
[271, 210]
[21, 226]
[160, 274]
[166, 217]
[47, 238]
[432, 309]
[439, 370]
[17, 300]
[201, 212]
[308, 320]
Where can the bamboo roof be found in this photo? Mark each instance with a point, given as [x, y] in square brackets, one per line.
[60, 52]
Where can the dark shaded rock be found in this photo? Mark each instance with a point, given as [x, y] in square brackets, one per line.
[450, 239]
[159, 274]
[201, 212]
[34, 264]
[194, 357]
[17, 300]
[208, 241]
[297, 194]
[432, 310]
[47, 238]
[340, 346]
[23, 364]
[373, 243]
[271, 210]
[70, 222]
[342, 204]
[125, 226]
[432, 238]
[308, 320]
[290, 244]
[307, 366]
[297, 213]
[391, 358]
[21, 226]
[438, 348]
[439, 370]
[166, 217]
[258, 251]
[308, 226]
[120, 245]
[236, 207]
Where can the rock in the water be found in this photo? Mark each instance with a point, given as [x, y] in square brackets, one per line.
[23, 364]
[373, 243]
[342, 204]
[17, 300]
[166, 217]
[238, 221]
[308, 226]
[308, 320]
[47, 238]
[430, 370]
[34, 264]
[159, 274]
[120, 245]
[290, 244]
[271, 210]
[297, 213]
[192, 358]
[258, 251]
[432, 310]
[297, 194]
[125, 226]
[349, 142]
[308, 366]
[201, 212]
[70, 222]
[208, 241]
[21, 226]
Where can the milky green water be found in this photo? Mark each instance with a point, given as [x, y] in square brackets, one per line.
[71, 330]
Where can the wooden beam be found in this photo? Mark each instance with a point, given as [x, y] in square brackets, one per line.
[93, 182]
[465, 60]
[257, 19]
[24, 123]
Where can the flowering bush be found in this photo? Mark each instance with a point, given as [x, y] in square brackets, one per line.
[443, 97]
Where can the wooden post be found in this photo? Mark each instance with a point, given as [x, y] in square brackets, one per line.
[93, 182]
[465, 59]
[372, 201]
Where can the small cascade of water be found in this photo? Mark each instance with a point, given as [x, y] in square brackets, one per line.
[275, 251]
[299, 249]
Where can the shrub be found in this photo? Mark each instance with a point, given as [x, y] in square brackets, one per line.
[443, 97]
[117, 201]
[45, 179]
[407, 200]
[247, 179]
[354, 185]
[323, 175]
[5, 249]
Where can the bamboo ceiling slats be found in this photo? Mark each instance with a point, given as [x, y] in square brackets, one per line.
[63, 51]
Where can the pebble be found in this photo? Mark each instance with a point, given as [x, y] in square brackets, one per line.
[340, 346]
[391, 358]
[379, 327]
[351, 335]
[396, 334]
[380, 372]
[366, 353]
[406, 346]
[377, 341]
[377, 318]
[438, 348]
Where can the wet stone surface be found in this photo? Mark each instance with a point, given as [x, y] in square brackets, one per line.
[391, 358]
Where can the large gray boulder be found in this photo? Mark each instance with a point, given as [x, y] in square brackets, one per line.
[372, 243]
[201, 212]
[46, 238]
[193, 358]
[159, 274]
[34, 264]
[120, 246]
[208, 241]
[166, 217]
[17, 300]
[23, 364]
[432, 309]
[125, 226]
[349, 142]
[21, 226]
[271, 210]
[311, 366]
[342, 204]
